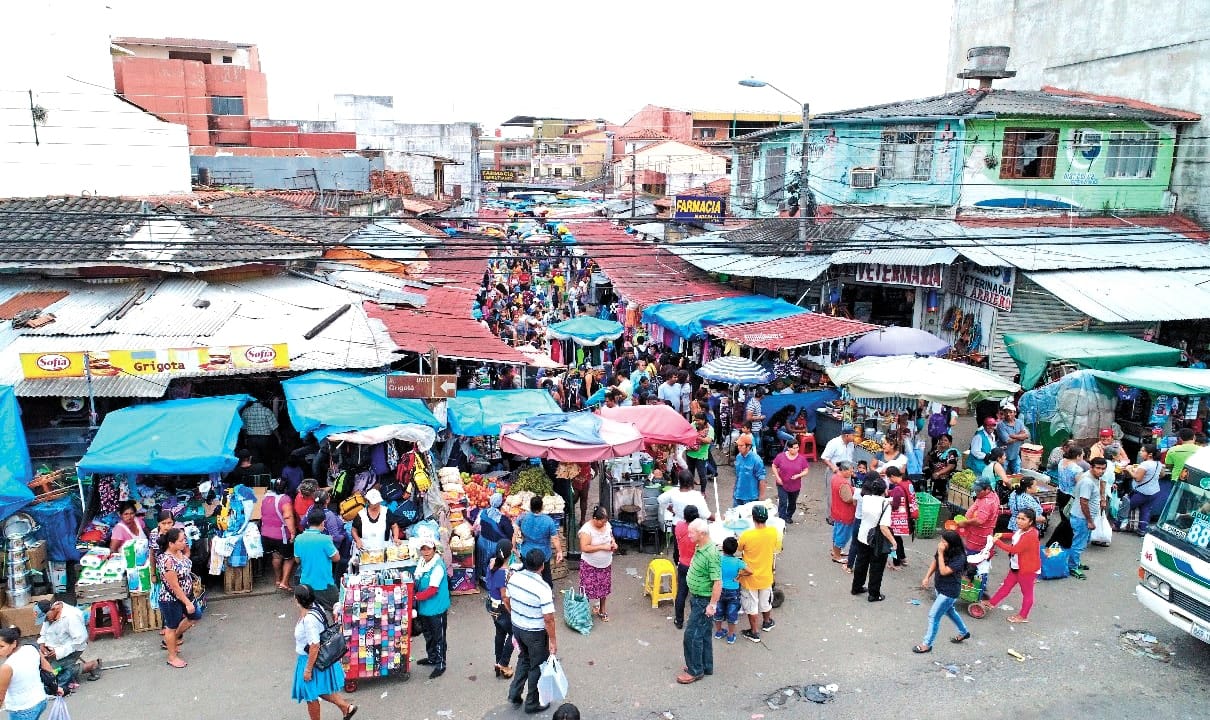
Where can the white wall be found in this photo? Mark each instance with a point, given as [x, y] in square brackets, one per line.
[92, 141]
[684, 165]
[1156, 51]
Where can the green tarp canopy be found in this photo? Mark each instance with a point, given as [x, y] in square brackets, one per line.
[1093, 351]
[1159, 380]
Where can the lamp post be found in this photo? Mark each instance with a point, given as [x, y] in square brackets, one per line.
[804, 191]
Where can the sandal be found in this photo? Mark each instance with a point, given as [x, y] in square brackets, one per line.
[921, 649]
[352, 711]
[959, 638]
[838, 561]
[604, 617]
[182, 666]
[1016, 619]
[96, 673]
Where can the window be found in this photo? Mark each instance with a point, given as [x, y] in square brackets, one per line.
[1131, 154]
[202, 57]
[1029, 153]
[706, 133]
[220, 105]
[558, 172]
[577, 149]
[743, 174]
[906, 153]
[775, 175]
[577, 171]
[227, 60]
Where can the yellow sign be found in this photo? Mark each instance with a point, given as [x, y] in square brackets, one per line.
[194, 361]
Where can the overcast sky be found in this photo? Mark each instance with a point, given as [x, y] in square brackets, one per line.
[487, 61]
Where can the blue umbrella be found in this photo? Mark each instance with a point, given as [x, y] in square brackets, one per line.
[735, 370]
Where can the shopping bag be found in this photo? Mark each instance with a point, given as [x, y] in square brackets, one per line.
[552, 683]
[577, 611]
[58, 709]
[252, 541]
[1054, 562]
[1101, 534]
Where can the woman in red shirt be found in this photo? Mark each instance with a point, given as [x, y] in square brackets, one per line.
[1024, 563]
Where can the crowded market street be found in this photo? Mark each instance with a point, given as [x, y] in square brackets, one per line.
[241, 660]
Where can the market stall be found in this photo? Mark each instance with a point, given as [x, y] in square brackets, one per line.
[926, 378]
[1048, 356]
[581, 339]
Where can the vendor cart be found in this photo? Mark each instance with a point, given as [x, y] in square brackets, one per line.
[375, 615]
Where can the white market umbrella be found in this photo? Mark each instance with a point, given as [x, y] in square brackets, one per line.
[929, 378]
[735, 370]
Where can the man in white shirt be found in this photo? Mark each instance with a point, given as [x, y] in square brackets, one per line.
[64, 639]
[669, 392]
[673, 502]
[531, 607]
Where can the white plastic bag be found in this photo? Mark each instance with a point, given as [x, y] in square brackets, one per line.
[1101, 534]
[552, 684]
[252, 541]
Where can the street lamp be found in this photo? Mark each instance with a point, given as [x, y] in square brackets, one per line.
[804, 190]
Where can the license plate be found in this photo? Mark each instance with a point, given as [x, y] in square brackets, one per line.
[1200, 632]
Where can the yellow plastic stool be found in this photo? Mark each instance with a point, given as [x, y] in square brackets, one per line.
[653, 585]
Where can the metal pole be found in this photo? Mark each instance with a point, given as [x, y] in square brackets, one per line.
[804, 190]
[634, 181]
[92, 403]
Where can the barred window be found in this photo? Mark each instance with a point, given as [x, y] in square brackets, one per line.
[1131, 154]
[906, 153]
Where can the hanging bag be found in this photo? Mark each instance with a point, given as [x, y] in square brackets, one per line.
[577, 611]
[552, 683]
[878, 543]
[900, 525]
[332, 645]
[58, 709]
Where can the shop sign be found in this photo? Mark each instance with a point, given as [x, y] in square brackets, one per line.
[492, 175]
[422, 387]
[990, 286]
[913, 275]
[197, 361]
[698, 207]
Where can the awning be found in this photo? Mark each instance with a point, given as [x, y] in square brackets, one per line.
[1160, 380]
[689, 320]
[1095, 351]
[791, 332]
[928, 378]
[326, 402]
[482, 412]
[194, 436]
[1114, 296]
[615, 440]
[15, 467]
[585, 330]
[657, 423]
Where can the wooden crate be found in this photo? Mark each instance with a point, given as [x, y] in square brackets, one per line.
[237, 581]
[960, 497]
[143, 615]
[96, 592]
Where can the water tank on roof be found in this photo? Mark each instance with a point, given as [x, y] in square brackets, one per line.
[988, 57]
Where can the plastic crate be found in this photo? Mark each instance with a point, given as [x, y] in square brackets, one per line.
[971, 590]
[930, 510]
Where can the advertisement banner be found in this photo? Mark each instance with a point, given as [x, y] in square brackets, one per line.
[195, 361]
[928, 276]
[698, 207]
[990, 286]
[492, 175]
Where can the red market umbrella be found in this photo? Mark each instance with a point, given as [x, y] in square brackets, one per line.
[619, 439]
[657, 423]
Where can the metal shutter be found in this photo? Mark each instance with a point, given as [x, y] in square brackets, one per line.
[1034, 310]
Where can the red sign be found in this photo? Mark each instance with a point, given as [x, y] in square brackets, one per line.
[422, 387]
[913, 275]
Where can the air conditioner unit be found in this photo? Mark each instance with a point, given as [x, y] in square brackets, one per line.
[863, 178]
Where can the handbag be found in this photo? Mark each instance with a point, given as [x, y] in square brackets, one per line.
[350, 506]
[577, 612]
[552, 683]
[874, 538]
[392, 491]
[332, 645]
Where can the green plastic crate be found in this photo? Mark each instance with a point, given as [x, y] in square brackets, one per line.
[930, 510]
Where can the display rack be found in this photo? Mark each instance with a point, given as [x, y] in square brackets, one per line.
[375, 615]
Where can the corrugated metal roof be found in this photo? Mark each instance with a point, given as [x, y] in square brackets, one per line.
[127, 386]
[717, 255]
[791, 332]
[1048, 248]
[1127, 295]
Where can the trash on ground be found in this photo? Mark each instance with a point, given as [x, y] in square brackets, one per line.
[632, 571]
[1016, 655]
[644, 643]
[778, 700]
[817, 693]
[1144, 644]
[913, 602]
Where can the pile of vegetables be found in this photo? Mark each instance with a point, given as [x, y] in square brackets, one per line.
[872, 445]
[533, 480]
[963, 479]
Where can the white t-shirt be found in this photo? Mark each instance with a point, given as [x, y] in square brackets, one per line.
[837, 450]
[869, 509]
[679, 500]
[25, 690]
[900, 462]
[597, 558]
[306, 632]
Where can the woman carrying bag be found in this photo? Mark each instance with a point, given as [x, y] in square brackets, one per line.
[873, 541]
[310, 683]
[497, 590]
[1023, 564]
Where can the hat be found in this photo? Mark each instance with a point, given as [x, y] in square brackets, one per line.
[44, 606]
[760, 513]
[1009, 407]
[428, 542]
[374, 497]
[847, 430]
[1106, 432]
[989, 421]
[980, 484]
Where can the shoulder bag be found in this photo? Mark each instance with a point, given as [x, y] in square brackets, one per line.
[332, 645]
[874, 538]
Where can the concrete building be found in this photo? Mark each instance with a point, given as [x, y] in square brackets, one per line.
[1158, 50]
[62, 129]
[669, 167]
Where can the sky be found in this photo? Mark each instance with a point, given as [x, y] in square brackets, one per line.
[480, 61]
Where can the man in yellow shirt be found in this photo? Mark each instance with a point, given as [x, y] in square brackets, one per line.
[758, 547]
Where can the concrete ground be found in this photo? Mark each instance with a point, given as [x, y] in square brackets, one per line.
[241, 656]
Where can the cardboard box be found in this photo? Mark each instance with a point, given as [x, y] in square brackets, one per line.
[24, 618]
[36, 557]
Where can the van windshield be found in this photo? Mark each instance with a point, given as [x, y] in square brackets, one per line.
[1186, 515]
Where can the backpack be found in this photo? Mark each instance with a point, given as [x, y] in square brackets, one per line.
[332, 645]
[938, 424]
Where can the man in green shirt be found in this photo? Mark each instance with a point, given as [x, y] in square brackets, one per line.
[705, 581]
[697, 457]
[1179, 454]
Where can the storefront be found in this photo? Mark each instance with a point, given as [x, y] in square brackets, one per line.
[885, 294]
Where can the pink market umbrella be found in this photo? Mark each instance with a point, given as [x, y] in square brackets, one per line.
[620, 438]
[657, 423]
[898, 341]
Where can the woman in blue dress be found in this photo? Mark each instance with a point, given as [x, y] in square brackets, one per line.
[492, 526]
[310, 683]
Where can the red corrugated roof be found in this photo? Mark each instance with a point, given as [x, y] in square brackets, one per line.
[791, 332]
[445, 323]
[1175, 223]
[643, 272]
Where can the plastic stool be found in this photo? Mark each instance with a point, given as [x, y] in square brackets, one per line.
[111, 613]
[805, 442]
[653, 585]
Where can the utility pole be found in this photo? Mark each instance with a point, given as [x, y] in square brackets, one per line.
[804, 190]
[634, 182]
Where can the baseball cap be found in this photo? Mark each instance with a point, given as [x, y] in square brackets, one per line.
[1009, 406]
[989, 421]
[428, 542]
[374, 497]
[980, 484]
[1106, 432]
[760, 513]
[846, 430]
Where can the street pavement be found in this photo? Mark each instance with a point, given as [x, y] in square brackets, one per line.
[241, 656]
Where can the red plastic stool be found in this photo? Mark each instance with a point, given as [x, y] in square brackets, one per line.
[112, 614]
[805, 442]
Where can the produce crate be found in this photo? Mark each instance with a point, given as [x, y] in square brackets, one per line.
[930, 509]
[959, 496]
[237, 581]
[143, 615]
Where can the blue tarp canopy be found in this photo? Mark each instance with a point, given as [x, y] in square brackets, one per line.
[196, 436]
[325, 402]
[807, 401]
[586, 330]
[690, 320]
[15, 468]
[481, 412]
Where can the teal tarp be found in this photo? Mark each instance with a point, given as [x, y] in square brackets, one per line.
[186, 437]
[482, 412]
[1093, 351]
[690, 320]
[15, 468]
[326, 402]
[1159, 380]
[585, 330]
